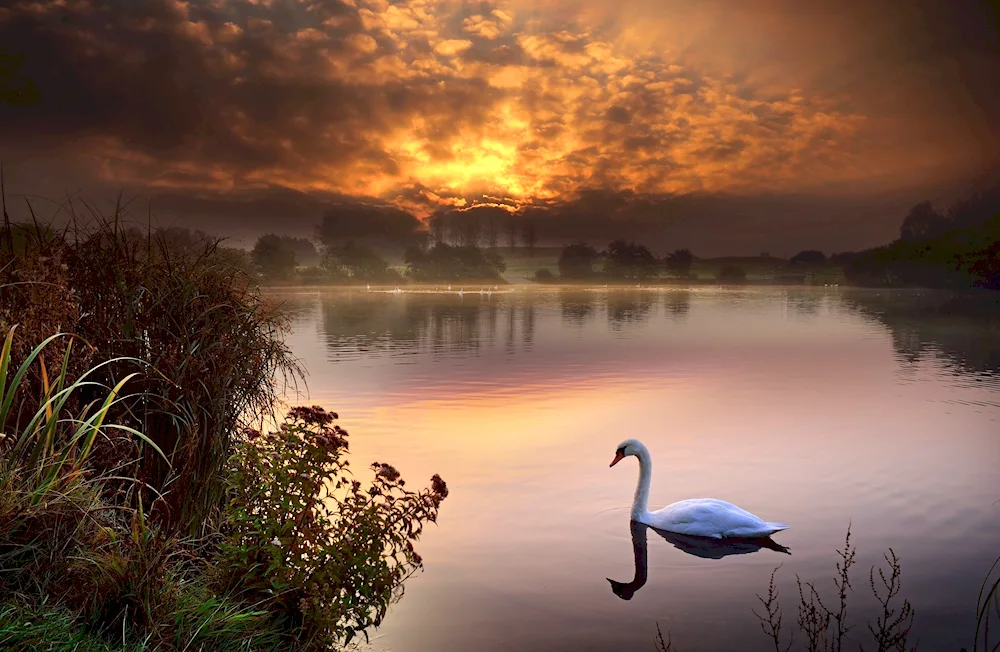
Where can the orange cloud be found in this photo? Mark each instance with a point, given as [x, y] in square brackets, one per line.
[526, 101]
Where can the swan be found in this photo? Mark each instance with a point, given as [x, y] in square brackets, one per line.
[700, 517]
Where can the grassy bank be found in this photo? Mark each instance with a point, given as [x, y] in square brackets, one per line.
[141, 506]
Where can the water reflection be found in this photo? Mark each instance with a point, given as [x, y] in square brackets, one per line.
[803, 406]
[704, 547]
[629, 307]
[577, 307]
[677, 303]
[962, 327]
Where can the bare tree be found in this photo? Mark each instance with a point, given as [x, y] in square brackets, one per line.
[492, 232]
[512, 232]
[529, 236]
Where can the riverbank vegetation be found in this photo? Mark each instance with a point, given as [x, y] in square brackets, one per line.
[822, 622]
[143, 504]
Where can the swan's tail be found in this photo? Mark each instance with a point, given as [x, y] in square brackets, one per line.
[776, 527]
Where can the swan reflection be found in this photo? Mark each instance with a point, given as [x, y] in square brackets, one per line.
[703, 547]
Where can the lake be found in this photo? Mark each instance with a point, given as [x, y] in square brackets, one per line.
[816, 407]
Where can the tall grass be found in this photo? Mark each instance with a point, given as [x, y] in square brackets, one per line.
[65, 534]
[988, 606]
[212, 347]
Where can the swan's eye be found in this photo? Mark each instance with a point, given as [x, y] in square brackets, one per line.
[621, 451]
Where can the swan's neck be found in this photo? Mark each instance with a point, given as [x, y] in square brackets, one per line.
[640, 506]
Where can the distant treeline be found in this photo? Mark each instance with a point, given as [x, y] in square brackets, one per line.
[958, 248]
[345, 252]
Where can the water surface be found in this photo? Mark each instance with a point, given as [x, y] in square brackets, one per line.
[817, 407]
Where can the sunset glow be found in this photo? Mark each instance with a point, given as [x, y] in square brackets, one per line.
[431, 103]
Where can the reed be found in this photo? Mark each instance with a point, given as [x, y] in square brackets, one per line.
[211, 345]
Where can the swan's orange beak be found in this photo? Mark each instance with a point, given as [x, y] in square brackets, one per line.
[619, 456]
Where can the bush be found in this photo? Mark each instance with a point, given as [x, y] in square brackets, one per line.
[732, 274]
[544, 275]
[304, 558]
[212, 348]
[306, 542]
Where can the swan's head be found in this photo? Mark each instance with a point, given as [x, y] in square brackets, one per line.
[626, 448]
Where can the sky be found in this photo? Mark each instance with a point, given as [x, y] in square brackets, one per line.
[728, 126]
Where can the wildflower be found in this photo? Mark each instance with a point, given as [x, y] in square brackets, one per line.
[438, 485]
[313, 416]
[388, 473]
[275, 541]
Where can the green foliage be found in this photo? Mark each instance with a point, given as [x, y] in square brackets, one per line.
[304, 559]
[30, 627]
[446, 263]
[307, 542]
[627, 260]
[210, 345]
[576, 261]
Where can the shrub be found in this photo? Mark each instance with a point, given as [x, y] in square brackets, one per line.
[307, 543]
[732, 274]
[212, 346]
[544, 275]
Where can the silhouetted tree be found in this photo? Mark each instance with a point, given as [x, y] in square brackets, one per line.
[375, 226]
[303, 248]
[732, 273]
[446, 263]
[577, 261]
[627, 260]
[529, 236]
[272, 258]
[492, 232]
[936, 252]
[436, 226]
[922, 222]
[679, 262]
[358, 262]
[511, 226]
[808, 257]
[470, 230]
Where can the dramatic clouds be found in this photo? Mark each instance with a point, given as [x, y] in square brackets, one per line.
[427, 104]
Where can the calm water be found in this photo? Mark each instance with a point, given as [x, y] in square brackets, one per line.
[815, 407]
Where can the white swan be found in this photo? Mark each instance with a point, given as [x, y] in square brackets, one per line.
[700, 517]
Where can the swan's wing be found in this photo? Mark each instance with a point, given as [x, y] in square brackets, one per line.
[708, 517]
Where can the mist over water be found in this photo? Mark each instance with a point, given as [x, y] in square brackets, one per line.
[816, 407]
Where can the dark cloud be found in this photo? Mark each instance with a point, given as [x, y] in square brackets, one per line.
[742, 121]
